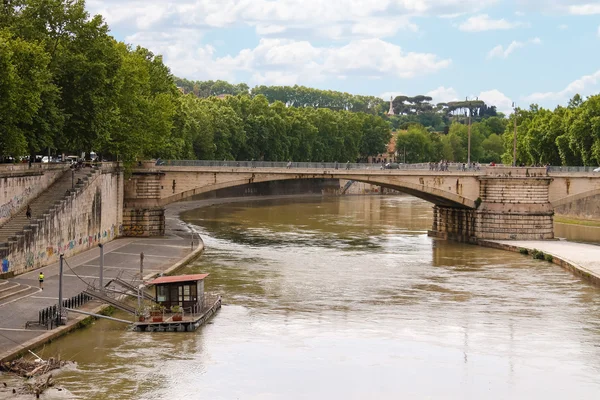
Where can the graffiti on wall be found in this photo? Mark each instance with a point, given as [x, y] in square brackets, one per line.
[8, 208]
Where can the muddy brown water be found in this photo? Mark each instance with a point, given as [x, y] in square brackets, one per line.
[347, 298]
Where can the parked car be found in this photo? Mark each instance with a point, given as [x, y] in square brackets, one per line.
[392, 166]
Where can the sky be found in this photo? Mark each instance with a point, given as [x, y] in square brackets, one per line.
[500, 51]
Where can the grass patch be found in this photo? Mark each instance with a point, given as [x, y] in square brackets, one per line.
[576, 221]
[108, 311]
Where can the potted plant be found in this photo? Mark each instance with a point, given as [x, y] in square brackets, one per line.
[141, 314]
[156, 312]
[177, 313]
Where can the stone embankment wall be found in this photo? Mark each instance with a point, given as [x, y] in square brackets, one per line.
[20, 184]
[586, 208]
[89, 215]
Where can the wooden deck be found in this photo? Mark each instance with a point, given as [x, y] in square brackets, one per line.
[189, 322]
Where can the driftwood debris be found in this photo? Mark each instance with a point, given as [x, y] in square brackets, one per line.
[29, 369]
[36, 372]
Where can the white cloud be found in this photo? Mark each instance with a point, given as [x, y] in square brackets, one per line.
[301, 18]
[585, 9]
[286, 61]
[501, 52]
[498, 99]
[483, 22]
[442, 95]
[585, 85]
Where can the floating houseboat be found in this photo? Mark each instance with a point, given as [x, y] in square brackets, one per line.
[180, 305]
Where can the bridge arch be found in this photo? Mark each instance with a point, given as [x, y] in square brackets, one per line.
[415, 186]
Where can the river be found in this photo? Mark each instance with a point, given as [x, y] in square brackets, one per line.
[347, 298]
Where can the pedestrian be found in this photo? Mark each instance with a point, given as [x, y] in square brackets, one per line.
[41, 280]
[28, 212]
[289, 164]
[336, 164]
[348, 164]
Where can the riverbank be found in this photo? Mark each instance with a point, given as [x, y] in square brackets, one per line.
[580, 258]
[121, 258]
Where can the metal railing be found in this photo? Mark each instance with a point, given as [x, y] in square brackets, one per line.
[48, 316]
[573, 169]
[307, 165]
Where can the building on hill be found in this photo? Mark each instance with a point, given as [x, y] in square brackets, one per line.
[390, 156]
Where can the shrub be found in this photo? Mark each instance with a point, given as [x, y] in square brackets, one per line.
[549, 257]
[538, 255]
[523, 251]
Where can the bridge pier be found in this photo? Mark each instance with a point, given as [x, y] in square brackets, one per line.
[512, 204]
[143, 214]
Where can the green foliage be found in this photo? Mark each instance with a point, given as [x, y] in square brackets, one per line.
[538, 255]
[548, 257]
[524, 251]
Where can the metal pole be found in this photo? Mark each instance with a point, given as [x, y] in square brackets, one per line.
[469, 145]
[60, 290]
[101, 267]
[515, 138]
[142, 266]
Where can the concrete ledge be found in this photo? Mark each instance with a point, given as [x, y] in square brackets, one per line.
[568, 265]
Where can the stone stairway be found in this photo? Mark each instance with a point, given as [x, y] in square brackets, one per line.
[59, 190]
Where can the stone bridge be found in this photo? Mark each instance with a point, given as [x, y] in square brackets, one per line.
[494, 203]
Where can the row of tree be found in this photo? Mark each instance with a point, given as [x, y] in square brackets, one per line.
[417, 144]
[68, 86]
[291, 96]
[566, 136]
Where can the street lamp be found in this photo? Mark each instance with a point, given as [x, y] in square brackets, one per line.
[515, 137]
[469, 142]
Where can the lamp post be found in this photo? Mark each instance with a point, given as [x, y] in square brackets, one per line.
[469, 132]
[515, 137]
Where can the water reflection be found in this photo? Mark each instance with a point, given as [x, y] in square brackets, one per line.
[348, 298]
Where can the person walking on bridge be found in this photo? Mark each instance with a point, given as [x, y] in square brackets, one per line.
[28, 212]
[41, 280]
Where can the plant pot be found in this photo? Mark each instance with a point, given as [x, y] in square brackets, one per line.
[155, 313]
[157, 318]
[141, 318]
[177, 317]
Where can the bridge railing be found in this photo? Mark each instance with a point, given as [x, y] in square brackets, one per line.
[302, 165]
[573, 169]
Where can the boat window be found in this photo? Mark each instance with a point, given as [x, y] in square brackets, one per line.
[161, 293]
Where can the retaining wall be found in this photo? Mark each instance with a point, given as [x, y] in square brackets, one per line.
[20, 184]
[91, 214]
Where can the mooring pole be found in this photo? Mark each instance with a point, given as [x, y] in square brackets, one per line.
[60, 290]
[101, 267]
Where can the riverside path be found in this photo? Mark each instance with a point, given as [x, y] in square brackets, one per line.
[121, 258]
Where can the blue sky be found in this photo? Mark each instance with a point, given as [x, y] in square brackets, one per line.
[526, 51]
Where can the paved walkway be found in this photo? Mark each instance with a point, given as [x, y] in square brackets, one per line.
[581, 258]
[121, 258]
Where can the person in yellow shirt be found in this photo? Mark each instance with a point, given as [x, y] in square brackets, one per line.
[41, 279]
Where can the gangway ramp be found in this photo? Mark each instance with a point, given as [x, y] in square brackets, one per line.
[109, 300]
[131, 288]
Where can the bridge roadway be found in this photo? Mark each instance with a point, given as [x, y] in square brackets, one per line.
[491, 203]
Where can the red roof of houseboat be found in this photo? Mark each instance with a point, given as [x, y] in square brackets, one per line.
[177, 278]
